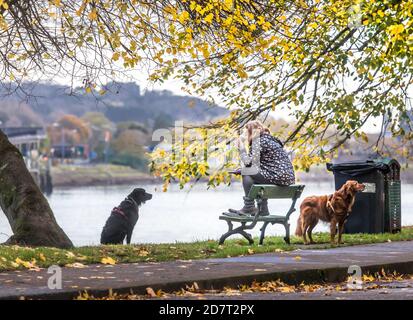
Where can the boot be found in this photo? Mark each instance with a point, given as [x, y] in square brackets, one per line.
[264, 208]
[248, 209]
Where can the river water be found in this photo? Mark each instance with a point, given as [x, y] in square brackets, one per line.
[177, 215]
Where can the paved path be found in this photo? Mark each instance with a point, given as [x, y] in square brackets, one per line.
[292, 267]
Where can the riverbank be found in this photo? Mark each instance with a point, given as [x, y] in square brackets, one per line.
[109, 174]
[97, 175]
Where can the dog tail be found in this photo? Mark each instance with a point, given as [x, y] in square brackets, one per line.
[299, 229]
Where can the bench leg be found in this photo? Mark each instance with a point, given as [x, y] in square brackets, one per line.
[227, 234]
[224, 237]
[240, 230]
[264, 226]
[246, 236]
[287, 233]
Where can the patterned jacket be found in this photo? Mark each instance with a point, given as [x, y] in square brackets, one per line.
[269, 159]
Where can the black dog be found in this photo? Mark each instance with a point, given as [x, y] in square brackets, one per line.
[122, 220]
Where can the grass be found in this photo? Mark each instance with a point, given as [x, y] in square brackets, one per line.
[15, 257]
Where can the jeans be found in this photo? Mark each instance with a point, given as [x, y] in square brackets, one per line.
[248, 181]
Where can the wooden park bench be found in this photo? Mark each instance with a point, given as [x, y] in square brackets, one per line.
[259, 192]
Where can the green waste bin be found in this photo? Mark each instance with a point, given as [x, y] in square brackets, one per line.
[378, 208]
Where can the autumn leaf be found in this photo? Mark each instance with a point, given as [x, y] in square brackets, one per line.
[286, 289]
[367, 278]
[26, 264]
[93, 15]
[143, 253]
[108, 260]
[70, 254]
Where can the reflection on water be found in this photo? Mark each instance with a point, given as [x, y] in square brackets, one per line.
[177, 215]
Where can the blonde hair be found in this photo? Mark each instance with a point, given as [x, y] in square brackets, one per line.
[255, 129]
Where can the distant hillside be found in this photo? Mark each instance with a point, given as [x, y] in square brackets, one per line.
[45, 103]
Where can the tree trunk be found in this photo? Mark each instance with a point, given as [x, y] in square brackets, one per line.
[27, 210]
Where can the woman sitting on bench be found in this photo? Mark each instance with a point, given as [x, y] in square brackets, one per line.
[266, 162]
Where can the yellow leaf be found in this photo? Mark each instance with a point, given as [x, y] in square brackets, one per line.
[298, 258]
[250, 251]
[228, 4]
[93, 15]
[286, 289]
[209, 18]
[108, 260]
[26, 264]
[143, 253]
[368, 278]
[75, 265]
[70, 254]
[42, 257]
[115, 56]
[183, 16]
[313, 25]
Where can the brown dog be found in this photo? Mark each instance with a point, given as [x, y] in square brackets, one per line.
[334, 208]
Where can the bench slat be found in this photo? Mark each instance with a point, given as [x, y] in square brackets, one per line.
[270, 218]
[274, 192]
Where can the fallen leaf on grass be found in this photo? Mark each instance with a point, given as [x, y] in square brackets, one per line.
[108, 260]
[250, 251]
[70, 254]
[27, 264]
[143, 253]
